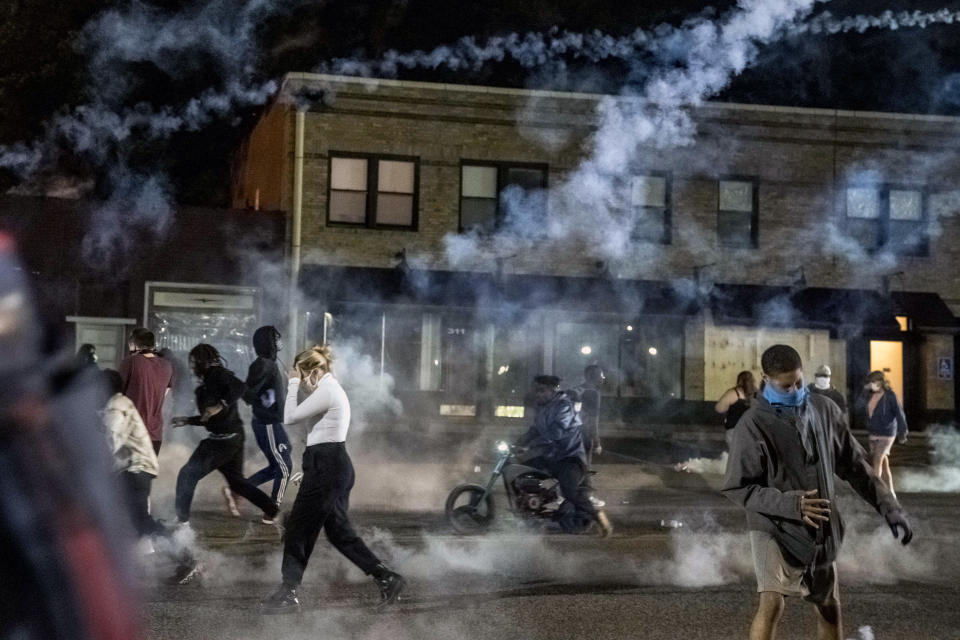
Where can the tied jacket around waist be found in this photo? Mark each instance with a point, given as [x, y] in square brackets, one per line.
[778, 453]
[555, 433]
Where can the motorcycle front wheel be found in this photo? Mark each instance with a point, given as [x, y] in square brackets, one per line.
[467, 512]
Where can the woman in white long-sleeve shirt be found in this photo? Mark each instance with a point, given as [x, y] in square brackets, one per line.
[328, 476]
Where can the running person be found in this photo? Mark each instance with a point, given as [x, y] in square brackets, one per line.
[324, 495]
[222, 449]
[265, 394]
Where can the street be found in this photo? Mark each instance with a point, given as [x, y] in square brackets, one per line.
[647, 581]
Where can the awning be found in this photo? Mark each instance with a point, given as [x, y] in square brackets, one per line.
[497, 294]
[926, 311]
[809, 308]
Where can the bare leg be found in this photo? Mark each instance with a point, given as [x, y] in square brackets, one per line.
[876, 461]
[889, 472]
[764, 625]
[829, 625]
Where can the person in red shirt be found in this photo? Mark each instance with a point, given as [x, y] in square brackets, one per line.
[146, 379]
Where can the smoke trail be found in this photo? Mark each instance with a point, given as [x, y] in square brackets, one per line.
[826, 23]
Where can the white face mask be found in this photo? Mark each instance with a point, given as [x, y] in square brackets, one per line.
[821, 382]
[874, 386]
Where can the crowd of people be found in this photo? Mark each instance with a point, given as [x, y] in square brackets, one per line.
[876, 407]
[788, 441]
[133, 422]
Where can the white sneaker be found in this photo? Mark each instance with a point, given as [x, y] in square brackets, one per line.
[297, 477]
[597, 502]
[231, 502]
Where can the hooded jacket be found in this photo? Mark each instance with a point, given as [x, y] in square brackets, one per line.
[887, 419]
[779, 452]
[555, 433]
[265, 387]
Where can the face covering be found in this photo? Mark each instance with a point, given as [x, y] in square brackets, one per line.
[821, 382]
[874, 386]
[793, 398]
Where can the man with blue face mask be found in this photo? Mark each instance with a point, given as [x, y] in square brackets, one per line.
[785, 455]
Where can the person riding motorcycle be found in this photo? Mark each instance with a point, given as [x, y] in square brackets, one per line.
[554, 443]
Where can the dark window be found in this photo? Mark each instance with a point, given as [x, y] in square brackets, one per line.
[486, 186]
[885, 216]
[650, 206]
[373, 191]
[639, 360]
[737, 218]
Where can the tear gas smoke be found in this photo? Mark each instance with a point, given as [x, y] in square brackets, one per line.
[715, 466]
[944, 473]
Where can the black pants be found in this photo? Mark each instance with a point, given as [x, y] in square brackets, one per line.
[136, 489]
[322, 503]
[226, 456]
[588, 448]
[570, 473]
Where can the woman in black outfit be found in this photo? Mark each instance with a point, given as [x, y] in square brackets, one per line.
[222, 450]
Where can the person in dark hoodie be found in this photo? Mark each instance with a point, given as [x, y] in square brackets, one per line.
[222, 449]
[786, 452]
[266, 392]
[554, 443]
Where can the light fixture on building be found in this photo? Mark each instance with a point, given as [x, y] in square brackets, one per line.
[629, 327]
[436, 363]
[652, 351]
[586, 350]
[503, 369]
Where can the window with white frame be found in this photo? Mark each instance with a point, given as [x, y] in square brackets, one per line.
[485, 186]
[373, 191]
[883, 216]
[737, 218]
[650, 204]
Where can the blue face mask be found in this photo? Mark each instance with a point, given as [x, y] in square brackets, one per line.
[793, 398]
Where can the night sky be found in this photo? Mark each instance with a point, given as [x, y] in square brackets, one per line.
[42, 72]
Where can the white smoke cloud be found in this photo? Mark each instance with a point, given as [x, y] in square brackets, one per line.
[944, 473]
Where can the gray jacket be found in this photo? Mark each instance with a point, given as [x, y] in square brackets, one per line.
[777, 453]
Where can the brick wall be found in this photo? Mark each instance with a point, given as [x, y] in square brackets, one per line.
[802, 159]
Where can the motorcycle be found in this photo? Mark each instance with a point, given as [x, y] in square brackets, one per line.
[532, 494]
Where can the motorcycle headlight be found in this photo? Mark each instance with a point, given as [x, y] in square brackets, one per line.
[503, 447]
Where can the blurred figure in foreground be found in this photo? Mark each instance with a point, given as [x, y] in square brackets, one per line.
[63, 565]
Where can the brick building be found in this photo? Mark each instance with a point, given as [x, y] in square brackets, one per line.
[834, 231]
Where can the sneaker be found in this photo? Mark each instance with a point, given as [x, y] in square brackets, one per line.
[297, 477]
[231, 502]
[283, 600]
[390, 584]
[606, 529]
[597, 502]
[186, 572]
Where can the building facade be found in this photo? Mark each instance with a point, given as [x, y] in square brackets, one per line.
[832, 231]
[212, 276]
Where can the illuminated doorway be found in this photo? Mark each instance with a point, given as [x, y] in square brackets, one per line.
[887, 356]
